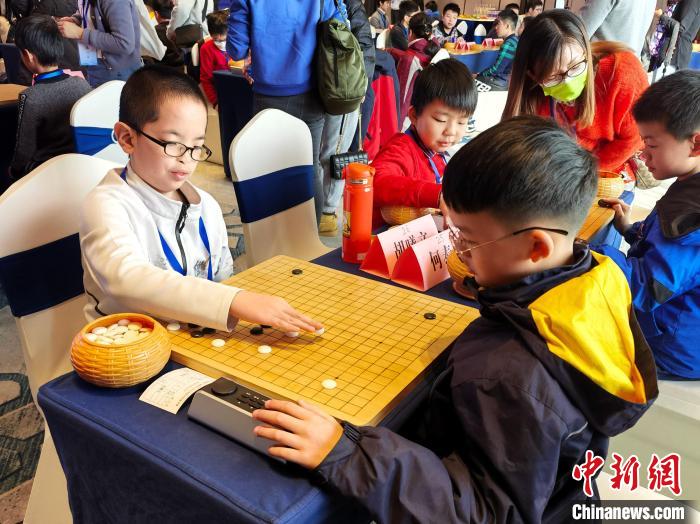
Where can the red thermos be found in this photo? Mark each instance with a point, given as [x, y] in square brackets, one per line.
[357, 211]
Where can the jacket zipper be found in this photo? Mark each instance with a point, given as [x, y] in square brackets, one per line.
[179, 226]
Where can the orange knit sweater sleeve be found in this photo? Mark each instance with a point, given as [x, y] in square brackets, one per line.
[620, 81]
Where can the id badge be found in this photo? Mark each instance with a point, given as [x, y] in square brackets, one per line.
[88, 55]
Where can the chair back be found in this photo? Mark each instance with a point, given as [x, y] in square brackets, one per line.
[381, 39]
[273, 176]
[194, 54]
[13, 62]
[92, 120]
[40, 266]
[489, 109]
[442, 54]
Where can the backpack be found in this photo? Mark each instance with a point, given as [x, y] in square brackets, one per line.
[340, 68]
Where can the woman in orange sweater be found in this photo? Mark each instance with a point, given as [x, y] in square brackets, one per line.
[587, 88]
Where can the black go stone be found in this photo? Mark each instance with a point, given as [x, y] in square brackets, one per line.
[208, 331]
[297, 271]
[430, 316]
[197, 334]
[257, 330]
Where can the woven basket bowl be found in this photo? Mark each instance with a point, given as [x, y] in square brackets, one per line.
[458, 271]
[397, 215]
[120, 365]
[610, 184]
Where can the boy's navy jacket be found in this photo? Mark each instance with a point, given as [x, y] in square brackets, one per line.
[281, 37]
[555, 366]
[663, 270]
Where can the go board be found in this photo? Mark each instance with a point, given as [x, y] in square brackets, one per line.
[378, 341]
[598, 217]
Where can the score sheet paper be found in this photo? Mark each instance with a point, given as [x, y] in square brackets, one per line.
[170, 391]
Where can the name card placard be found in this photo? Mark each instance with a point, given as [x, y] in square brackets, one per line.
[424, 265]
[387, 247]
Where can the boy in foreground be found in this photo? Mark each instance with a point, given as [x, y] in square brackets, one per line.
[554, 367]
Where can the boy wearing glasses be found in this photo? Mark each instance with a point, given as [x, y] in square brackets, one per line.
[151, 241]
[554, 367]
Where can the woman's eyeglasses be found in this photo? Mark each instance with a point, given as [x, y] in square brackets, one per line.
[572, 72]
[176, 149]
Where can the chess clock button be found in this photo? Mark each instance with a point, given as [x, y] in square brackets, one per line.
[223, 387]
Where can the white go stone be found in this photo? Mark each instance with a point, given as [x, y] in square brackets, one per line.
[291, 334]
[115, 325]
[121, 329]
[134, 326]
[321, 331]
[218, 342]
[145, 330]
[90, 337]
[124, 322]
[264, 349]
[99, 330]
[329, 383]
[173, 326]
[104, 340]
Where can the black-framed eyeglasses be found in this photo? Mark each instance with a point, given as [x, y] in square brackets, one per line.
[176, 149]
[462, 246]
[574, 71]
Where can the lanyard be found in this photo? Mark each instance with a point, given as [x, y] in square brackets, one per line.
[86, 9]
[172, 259]
[428, 154]
[553, 114]
[46, 76]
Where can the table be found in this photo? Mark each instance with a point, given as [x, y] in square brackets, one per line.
[128, 461]
[8, 129]
[235, 96]
[477, 61]
[695, 61]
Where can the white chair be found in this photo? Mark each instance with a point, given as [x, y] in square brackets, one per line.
[489, 109]
[92, 119]
[272, 169]
[442, 54]
[672, 424]
[41, 272]
[381, 39]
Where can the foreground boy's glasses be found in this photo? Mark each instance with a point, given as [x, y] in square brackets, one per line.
[176, 149]
[463, 246]
[572, 72]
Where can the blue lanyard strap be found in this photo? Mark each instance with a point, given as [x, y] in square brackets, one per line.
[170, 256]
[46, 76]
[85, 11]
[428, 154]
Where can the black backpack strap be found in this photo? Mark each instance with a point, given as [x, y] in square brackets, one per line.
[204, 10]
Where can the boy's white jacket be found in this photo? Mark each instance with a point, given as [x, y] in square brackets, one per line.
[125, 268]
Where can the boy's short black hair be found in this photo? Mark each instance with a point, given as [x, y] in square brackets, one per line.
[432, 5]
[451, 7]
[449, 81]
[407, 7]
[509, 16]
[513, 6]
[39, 35]
[531, 4]
[147, 88]
[217, 22]
[521, 170]
[673, 101]
[164, 8]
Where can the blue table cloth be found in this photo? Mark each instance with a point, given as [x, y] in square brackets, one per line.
[477, 62]
[695, 61]
[128, 461]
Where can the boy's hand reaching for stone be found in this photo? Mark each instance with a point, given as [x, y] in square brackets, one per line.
[305, 434]
[623, 212]
[270, 311]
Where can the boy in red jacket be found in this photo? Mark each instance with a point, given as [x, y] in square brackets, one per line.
[409, 167]
[212, 53]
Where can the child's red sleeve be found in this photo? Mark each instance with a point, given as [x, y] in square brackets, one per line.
[401, 181]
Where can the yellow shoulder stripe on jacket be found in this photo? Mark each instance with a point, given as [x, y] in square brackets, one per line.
[585, 321]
